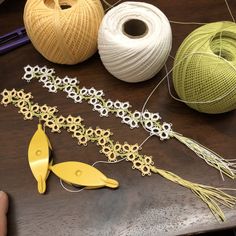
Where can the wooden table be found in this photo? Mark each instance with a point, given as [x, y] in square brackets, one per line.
[142, 205]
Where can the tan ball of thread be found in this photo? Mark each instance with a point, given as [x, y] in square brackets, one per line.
[64, 31]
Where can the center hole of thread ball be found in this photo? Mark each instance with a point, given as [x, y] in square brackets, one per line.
[223, 45]
[135, 28]
[224, 54]
[64, 4]
[63, 7]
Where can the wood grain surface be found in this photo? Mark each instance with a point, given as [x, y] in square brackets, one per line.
[142, 205]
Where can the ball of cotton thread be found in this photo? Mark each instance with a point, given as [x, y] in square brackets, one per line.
[64, 31]
[204, 73]
[134, 41]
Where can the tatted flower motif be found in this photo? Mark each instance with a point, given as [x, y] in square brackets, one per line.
[150, 121]
[112, 150]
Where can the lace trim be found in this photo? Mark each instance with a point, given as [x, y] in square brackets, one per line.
[150, 121]
[112, 150]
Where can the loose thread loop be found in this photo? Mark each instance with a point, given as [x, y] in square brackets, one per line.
[145, 140]
[110, 5]
[230, 12]
[187, 23]
[70, 190]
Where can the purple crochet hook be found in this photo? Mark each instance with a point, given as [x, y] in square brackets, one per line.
[13, 40]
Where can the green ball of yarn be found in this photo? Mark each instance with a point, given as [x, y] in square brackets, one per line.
[204, 73]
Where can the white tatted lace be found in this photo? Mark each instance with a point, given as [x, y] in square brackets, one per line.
[150, 121]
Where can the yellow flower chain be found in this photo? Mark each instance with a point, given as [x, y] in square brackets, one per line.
[112, 150]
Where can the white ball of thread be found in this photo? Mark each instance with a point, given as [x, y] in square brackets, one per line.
[134, 41]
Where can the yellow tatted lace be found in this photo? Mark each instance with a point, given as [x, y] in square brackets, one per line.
[113, 150]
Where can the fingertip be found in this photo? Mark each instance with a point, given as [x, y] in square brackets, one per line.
[3, 203]
[3, 213]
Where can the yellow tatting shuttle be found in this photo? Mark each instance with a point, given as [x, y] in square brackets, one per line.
[39, 157]
[78, 173]
[72, 172]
